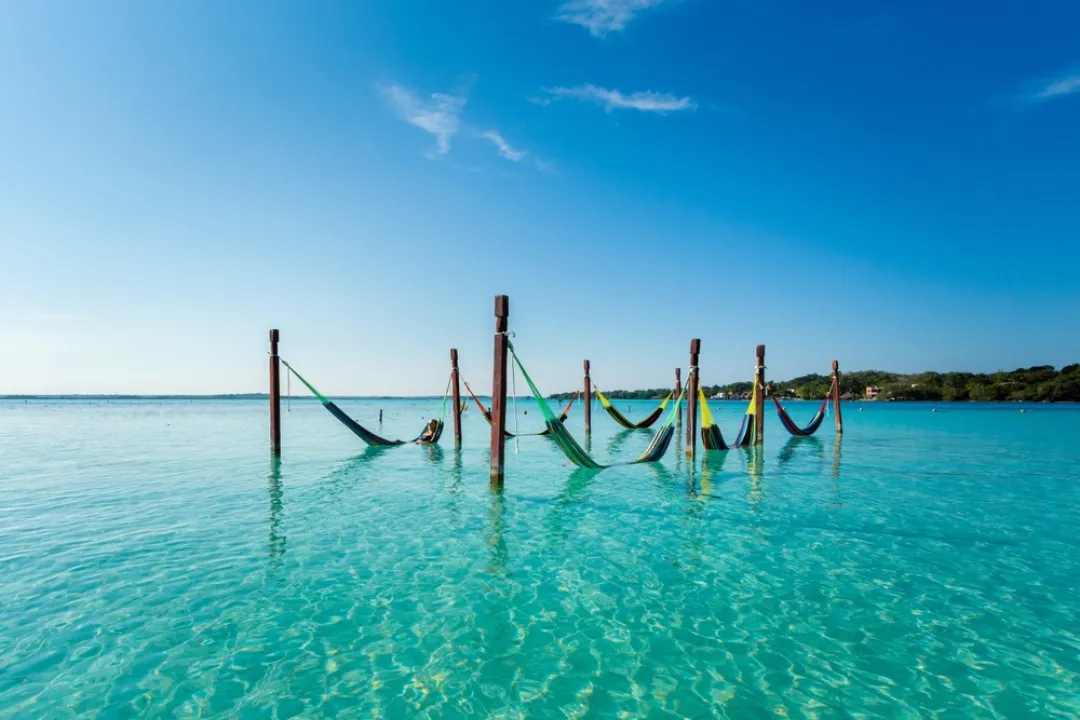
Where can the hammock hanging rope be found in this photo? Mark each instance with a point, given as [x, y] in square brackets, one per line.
[790, 425]
[623, 420]
[506, 433]
[363, 433]
[576, 454]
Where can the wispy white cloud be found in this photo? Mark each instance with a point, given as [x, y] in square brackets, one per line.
[646, 101]
[505, 149]
[440, 115]
[514, 154]
[600, 17]
[55, 317]
[1060, 87]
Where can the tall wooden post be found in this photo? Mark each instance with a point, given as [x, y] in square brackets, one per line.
[836, 396]
[275, 395]
[588, 400]
[693, 380]
[455, 383]
[498, 391]
[678, 392]
[759, 397]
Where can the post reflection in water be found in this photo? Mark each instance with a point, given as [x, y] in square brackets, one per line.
[712, 464]
[754, 464]
[836, 469]
[496, 540]
[276, 543]
[699, 486]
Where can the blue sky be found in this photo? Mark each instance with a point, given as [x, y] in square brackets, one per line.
[895, 186]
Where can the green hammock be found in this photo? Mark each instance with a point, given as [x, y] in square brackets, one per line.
[623, 420]
[359, 430]
[577, 455]
[506, 433]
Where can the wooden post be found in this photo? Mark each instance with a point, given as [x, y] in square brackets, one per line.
[455, 382]
[759, 397]
[693, 380]
[836, 396]
[498, 391]
[588, 400]
[275, 395]
[678, 392]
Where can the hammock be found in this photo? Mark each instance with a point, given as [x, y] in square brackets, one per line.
[622, 419]
[790, 425]
[577, 455]
[506, 433]
[713, 439]
[359, 430]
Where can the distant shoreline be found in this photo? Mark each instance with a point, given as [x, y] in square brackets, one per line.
[556, 397]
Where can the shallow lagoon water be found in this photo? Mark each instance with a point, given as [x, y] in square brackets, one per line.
[155, 563]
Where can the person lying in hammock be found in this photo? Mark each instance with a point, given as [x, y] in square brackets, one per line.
[429, 432]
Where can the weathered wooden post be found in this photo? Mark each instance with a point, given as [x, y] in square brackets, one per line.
[693, 381]
[836, 396]
[498, 391]
[455, 382]
[588, 400]
[678, 392]
[759, 397]
[275, 395]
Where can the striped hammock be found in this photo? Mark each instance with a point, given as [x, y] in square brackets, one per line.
[713, 439]
[506, 433]
[623, 420]
[576, 454]
[790, 425]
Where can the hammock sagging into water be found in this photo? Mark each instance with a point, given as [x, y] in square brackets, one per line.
[506, 433]
[363, 433]
[713, 439]
[623, 420]
[576, 454]
[790, 425]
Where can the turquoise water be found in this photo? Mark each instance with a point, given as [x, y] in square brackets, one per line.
[155, 563]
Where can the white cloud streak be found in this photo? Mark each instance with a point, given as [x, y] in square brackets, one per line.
[600, 17]
[1061, 87]
[646, 101]
[439, 116]
[505, 149]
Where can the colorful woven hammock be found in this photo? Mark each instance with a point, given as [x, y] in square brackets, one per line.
[506, 433]
[713, 439]
[790, 425]
[576, 454]
[622, 419]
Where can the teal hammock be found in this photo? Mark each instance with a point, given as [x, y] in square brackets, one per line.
[363, 433]
[577, 455]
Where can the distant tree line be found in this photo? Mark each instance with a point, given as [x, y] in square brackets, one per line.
[1041, 383]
